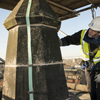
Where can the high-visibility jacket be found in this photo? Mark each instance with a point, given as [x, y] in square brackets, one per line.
[85, 49]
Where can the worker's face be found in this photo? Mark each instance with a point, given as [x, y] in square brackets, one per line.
[92, 33]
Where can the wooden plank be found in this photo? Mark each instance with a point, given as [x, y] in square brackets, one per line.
[6, 5]
[60, 6]
[74, 91]
[70, 69]
[79, 4]
[58, 10]
[68, 2]
[95, 1]
[78, 87]
[73, 76]
[11, 2]
[57, 1]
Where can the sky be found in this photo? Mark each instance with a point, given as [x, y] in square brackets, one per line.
[69, 26]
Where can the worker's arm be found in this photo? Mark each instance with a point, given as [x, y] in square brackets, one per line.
[73, 39]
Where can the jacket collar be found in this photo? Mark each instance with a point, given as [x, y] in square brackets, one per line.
[87, 38]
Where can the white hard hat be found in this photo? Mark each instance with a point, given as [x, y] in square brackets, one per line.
[95, 24]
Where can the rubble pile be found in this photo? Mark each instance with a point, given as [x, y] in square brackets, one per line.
[75, 77]
[72, 62]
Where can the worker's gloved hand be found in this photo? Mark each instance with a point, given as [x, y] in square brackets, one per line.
[93, 68]
[97, 78]
[84, 65]
[63, 41]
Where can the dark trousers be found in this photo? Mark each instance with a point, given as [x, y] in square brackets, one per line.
[93, 87]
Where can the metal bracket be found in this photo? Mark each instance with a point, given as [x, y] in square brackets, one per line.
[90, 2]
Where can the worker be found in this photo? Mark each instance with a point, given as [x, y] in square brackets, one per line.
[90, 48]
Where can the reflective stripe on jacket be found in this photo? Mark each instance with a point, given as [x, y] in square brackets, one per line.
[85, 49]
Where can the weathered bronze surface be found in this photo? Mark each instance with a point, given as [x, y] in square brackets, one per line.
[47, 70]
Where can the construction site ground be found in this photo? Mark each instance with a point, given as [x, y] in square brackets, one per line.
[74, 95]
[81, 95]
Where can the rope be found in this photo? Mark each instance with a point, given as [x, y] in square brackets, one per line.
[29, 49]
[62, 32]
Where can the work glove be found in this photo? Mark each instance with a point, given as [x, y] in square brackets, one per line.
[84, 65]
[97, 78]
[63, 41]
[93, 68]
